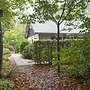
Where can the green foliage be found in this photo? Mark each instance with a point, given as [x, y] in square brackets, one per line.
[23, 44]
[5, 57]
[76, 60]
[9, 8]
[86, 46]
[46, 51]
[58, 11]
[13, 37]
[27, 52]
[42, 51]
[77, 56]
[6, 51]
[6, 69]
[6, 84]
[25, 49]
[11, 48]
[74, 55]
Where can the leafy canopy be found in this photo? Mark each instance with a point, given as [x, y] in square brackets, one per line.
[58, 10]
[9, 7]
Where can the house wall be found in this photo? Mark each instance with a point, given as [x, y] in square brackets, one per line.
[33, 38]
[40, 36]
[46, 36]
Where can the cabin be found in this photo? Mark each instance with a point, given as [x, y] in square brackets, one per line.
[48, 31]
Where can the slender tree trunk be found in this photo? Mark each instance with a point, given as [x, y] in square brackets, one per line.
[58, 46]
[1, 49]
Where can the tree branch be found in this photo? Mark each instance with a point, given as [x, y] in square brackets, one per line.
[69, 12]
[62, 11]
[53, 18]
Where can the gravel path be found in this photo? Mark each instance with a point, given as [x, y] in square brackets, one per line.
[29, 76]
[17, 58]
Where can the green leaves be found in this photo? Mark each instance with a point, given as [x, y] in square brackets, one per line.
[9, 7]
[23, 44]
[42, 51]
[78, 56]
[59, 9]
[6, 84]
[13, 37]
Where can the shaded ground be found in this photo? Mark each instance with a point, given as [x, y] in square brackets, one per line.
[37, 77]
[44, 77]
[67, 83]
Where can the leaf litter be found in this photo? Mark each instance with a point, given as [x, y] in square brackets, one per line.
[37, 77]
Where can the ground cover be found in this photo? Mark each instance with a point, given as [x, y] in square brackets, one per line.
[45, 77]
[37, 77]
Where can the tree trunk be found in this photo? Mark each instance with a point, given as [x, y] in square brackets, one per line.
[1, 49]
[58, 46]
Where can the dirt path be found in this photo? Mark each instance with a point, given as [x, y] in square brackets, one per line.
[43, 77]
[19, 61]
[37, 77]
[29, 76]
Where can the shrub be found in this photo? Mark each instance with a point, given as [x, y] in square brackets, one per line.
[6, 84]
[27, 52]
[5, 57]
[17, 47]
[78, 56]
[43, 50]
[22, 45]
[11, 48]
[6, 69]
[6, 51]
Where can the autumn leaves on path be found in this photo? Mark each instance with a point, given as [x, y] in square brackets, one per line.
[37, 77]
[30, 76]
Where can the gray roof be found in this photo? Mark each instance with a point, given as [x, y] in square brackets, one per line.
[51, 27]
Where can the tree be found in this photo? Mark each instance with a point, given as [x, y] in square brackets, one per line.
[13, 37]
[8, 7]
[58, 11]
[1, 44]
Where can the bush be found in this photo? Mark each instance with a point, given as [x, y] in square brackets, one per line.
[43, 50]
[78, 56]
[11, 48]
[5, 57]
[27, 52]
[6, 51]
[6, 69]
[22, 45]
[17, 47]
[6, 84]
